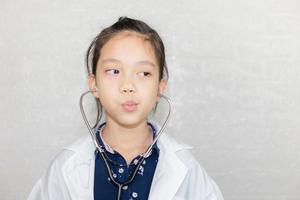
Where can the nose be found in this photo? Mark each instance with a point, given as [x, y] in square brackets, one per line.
[127, 90]
[127, 87]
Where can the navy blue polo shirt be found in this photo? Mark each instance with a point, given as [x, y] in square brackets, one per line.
[139, 188]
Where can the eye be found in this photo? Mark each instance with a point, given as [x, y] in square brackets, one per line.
[147, 74]
[112, 71]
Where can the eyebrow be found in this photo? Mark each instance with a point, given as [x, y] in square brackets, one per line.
[113, 60]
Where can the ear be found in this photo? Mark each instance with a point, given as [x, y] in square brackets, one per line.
[92, 85]
[161, 88]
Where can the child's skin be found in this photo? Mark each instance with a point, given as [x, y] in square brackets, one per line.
[123, 75]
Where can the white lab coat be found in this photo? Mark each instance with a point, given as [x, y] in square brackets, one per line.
[178, 175]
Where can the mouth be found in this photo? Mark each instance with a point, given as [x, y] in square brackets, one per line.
[129, 106]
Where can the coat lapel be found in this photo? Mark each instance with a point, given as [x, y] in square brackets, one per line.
[170, 171]
[78, 172]
[169, 174]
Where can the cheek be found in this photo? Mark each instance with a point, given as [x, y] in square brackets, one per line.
[150, 94]
[107, 92]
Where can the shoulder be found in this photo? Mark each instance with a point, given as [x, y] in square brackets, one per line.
[80, 150]
[76, 148]
[197, 177]
[170, 146]
[69, 160]
[56, 180]
[82, 147]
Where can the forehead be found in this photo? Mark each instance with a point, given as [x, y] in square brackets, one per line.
[128, 46]
[128, 33]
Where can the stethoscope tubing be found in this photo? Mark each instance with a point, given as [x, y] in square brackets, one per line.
[101, 148]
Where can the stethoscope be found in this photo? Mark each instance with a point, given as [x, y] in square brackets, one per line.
[100, 148]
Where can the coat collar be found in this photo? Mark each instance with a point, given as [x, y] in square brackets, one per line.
[85, 147]
[170, 170]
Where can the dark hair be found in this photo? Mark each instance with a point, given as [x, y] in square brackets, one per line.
[125, 24]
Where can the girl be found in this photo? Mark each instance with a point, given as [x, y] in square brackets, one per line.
[128, 77]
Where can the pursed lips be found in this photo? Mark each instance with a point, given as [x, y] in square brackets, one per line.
[129, 105]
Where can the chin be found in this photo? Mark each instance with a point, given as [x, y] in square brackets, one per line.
[131, 121]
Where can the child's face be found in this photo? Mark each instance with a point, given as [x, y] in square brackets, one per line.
[127, 70]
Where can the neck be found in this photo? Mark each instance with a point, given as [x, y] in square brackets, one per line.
[120, 137]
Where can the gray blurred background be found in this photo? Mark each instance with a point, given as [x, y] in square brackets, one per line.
[234, 81]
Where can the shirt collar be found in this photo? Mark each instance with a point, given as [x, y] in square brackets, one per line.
[100, 127]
